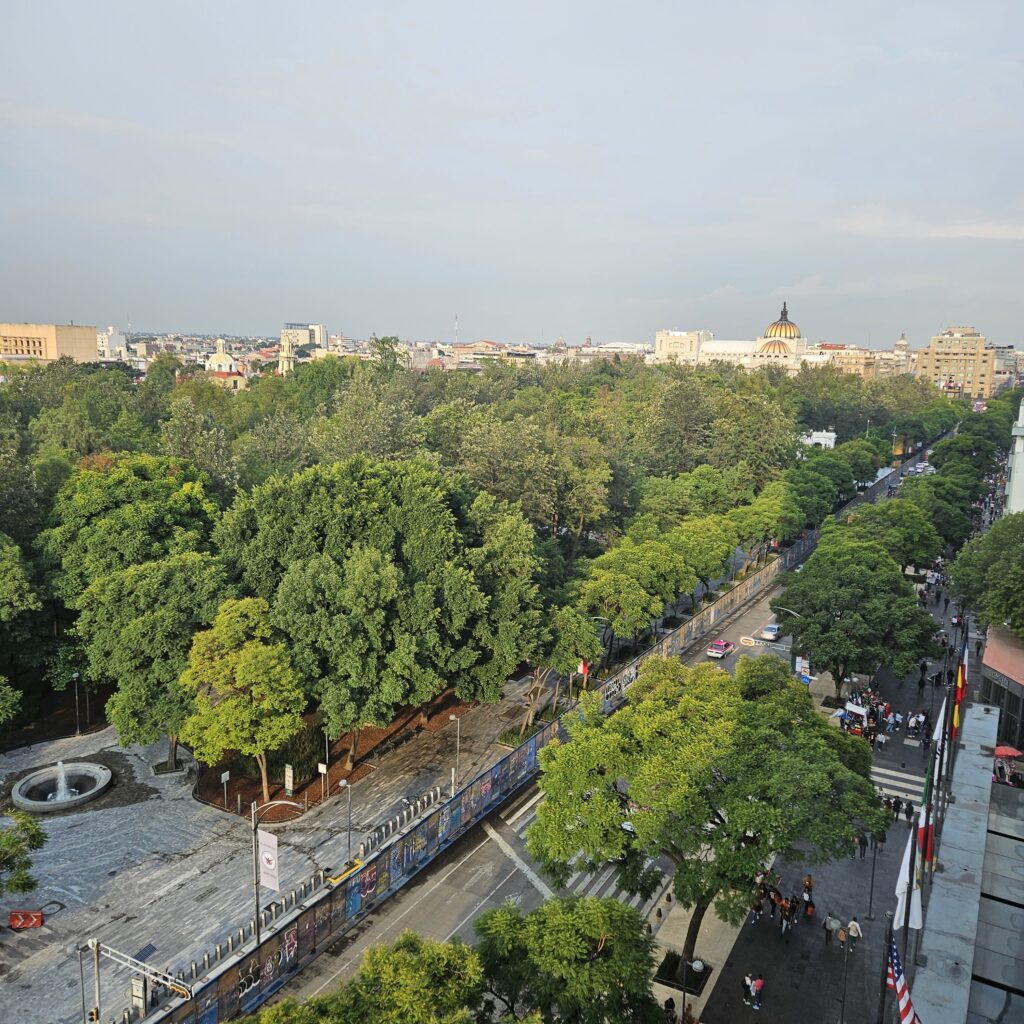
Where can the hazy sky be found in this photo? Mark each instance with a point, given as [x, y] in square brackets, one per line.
[540, 169]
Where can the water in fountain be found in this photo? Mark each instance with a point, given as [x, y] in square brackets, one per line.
[63, 790]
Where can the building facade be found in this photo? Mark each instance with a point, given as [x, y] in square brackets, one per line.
[1015, 468]
[781, 345]
[45, 343]
[299, 335]
[961, 362]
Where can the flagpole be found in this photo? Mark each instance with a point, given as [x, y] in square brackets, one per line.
[911, 880]
[885, 966]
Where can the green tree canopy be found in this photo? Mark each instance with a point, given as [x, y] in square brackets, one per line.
[121, 511]
[136, 626]
[854, 610]
[390, 583]
[585, 960]
[18, 841]
[246, 695]
[987, 575]
[901, 528]
[719, 784]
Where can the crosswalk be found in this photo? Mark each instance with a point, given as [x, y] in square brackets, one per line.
[601, 883]
[905, 785]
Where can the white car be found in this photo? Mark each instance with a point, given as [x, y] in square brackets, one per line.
[771, 631]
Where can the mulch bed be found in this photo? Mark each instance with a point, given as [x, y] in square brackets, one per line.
[374, 742]
[666, 975]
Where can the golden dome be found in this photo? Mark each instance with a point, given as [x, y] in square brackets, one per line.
[774, 347]
[783, 327]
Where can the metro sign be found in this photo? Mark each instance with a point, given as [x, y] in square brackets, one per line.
[19, 919]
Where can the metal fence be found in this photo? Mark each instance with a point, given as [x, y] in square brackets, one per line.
[243, 979]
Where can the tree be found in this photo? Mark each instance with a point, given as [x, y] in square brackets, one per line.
[275, 445]
[901, 528]
[120, 511]
[716, 782]
[572, 959]
[10, 700]
[391, 582]
[986, 575]
[17, 842]
[195, 435]
[18, 601]
[853, 610]
[136, 626]
[247, 696]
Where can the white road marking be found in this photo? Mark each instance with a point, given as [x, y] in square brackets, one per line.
[480, 904]
[509, 851]
[539, 795]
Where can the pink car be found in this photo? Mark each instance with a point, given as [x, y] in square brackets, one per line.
[720, 649]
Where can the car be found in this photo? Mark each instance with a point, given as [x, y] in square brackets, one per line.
[720, 649]
[771, 631]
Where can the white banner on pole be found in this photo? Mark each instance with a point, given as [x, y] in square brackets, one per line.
[268, 860]
[908, 909]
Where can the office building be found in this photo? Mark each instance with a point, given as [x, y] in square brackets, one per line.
[44, 343]
[303, 335]
[961, 362]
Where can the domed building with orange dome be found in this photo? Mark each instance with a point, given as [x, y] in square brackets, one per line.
[782, 345]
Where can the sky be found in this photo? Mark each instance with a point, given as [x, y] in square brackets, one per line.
[538, 169]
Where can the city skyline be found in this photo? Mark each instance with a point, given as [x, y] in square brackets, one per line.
[540, 172]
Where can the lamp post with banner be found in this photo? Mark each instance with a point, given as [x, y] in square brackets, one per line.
[264, 857]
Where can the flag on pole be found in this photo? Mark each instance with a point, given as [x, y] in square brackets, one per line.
[937, 745]
[268, 860]
[896, 981]
[916, 918]
[925, 834]
[961, 690]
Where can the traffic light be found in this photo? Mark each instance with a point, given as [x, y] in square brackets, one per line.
[94, 1013]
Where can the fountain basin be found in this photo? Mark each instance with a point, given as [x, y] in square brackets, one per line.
[43, 791]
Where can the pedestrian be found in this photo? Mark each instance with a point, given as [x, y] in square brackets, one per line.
[888, 804]
[758, 991]
[670, 1011]
[926, 742]
[938, 596]
[908, 813]
[748, 988]
[924, 669]
[890, 722]
[830, 927]
[977, 647]
[945, 605]
[879, 839]
[786, 919]
[897, 806]
[862, 841]
[899, 721]
[808, 884]
[950, 675]
[841, 935]
[853, 930]
[795, 907]
[756, 909]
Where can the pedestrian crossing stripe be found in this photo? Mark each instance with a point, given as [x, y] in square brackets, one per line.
[893, 783]
[600, 883]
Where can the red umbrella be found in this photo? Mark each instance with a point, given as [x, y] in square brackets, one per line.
[1010, 752]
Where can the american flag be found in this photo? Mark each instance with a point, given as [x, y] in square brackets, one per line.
[898, 983]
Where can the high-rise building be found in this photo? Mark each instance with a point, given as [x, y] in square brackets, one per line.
[960, 361]
[46, 342]
[300, 335]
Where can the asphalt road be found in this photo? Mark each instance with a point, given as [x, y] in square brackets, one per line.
[490, 864]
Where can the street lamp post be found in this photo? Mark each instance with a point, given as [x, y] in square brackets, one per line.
[871, 893]
[256, 811]
[78, 723]
[458, 747]
[846, 968]
[344, 784]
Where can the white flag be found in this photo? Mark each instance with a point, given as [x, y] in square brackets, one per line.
[916, 917]
[267, 843]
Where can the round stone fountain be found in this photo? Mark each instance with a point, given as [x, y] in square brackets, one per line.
[61, 787]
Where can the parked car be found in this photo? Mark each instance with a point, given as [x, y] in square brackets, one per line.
[720, 649]
[771, 631]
